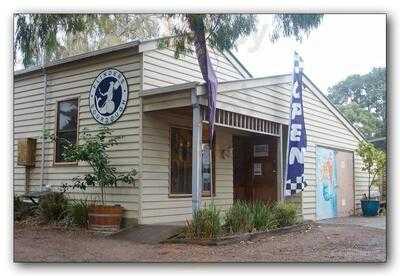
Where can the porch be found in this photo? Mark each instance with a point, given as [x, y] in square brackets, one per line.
[247, 159]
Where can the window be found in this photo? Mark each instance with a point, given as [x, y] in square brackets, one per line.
[181, 162]
[67, 126]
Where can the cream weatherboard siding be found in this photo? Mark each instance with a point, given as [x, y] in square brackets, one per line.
[161, 68]
[326, 130]
[158, 205]
[323, 129]
[70, 81]
[146, 142]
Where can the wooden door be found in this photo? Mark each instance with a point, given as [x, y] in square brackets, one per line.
[264, 165]
[255, 168]
[345, 192]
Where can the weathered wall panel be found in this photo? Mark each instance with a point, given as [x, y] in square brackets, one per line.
[323, 128]
[75, 81]
[161, 68]
[157, 205]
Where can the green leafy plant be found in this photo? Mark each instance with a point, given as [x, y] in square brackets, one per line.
[206, 224]
[263, 216]
[374, 162]
[358, 96]
[284, 214]
[57, 34]
[53, 207]
[239, 218]
[93, 150]
[23, 209]
[224, 31]
[78, 213]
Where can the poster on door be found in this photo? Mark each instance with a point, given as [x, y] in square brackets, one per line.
[260, 150]
[326, 193]
[257, 169]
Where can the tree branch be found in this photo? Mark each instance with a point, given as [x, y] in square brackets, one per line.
[216, 24]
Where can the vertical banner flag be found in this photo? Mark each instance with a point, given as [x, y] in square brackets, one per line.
[208, 75]
[297, 138]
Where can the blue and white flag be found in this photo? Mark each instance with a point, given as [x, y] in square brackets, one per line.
[297, 137]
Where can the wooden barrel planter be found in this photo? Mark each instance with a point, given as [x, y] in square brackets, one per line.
[103, 218]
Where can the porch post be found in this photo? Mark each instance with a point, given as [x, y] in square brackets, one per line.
[196, 152]
[280, 158]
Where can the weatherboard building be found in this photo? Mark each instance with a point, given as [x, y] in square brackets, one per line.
[158, 104]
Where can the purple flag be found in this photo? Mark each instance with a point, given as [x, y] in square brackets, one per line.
[209, 76]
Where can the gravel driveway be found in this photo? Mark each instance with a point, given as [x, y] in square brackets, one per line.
[321, 243]
[375, 222]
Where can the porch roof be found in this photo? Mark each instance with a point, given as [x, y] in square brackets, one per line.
[180, 95]
[225, 86]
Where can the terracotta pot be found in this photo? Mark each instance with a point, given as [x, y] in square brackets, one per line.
[105, 218]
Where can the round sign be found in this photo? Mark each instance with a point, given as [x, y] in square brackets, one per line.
[108, 96]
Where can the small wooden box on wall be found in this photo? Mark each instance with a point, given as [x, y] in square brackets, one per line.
[26, 152]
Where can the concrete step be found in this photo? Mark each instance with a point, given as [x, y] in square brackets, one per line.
[149, 234]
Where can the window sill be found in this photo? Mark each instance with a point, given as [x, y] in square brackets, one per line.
[66, 164]
[187, 195]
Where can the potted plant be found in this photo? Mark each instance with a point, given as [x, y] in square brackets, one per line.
[93, 150]
[374, 162]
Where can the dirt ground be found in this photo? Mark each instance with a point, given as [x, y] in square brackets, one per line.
[321, 243]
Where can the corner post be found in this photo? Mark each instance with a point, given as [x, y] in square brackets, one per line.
[42, 186]
[281, 177]
[196, 152]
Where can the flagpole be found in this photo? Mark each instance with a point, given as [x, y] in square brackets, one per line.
[287, 138]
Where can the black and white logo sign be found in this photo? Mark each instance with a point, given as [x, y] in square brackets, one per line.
[108, 96]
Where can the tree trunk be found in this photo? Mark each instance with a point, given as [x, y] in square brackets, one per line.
[369, 186]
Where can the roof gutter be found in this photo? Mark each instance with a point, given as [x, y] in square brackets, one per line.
[78, 57]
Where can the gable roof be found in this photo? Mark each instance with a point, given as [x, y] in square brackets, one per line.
[324, 99]
[258, 82]
[287, 78]
[137, 46]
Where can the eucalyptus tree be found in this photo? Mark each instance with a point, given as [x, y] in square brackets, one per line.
[362, 99]
[223, 31]
[59, 35]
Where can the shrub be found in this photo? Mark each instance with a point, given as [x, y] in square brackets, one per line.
[53, 207]
[23, 209]
[263, 216]
[93, 149]
[374, 162]
[239, 218]
[285, 214]
[78, 213]
[206, 224]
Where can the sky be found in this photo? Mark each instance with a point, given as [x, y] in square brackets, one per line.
[344, 44]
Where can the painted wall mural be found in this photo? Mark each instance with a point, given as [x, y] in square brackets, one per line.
[327, 186]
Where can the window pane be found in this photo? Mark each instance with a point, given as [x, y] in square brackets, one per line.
[62, 140]
[67, 120]
[67, 115]
[181, 161]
